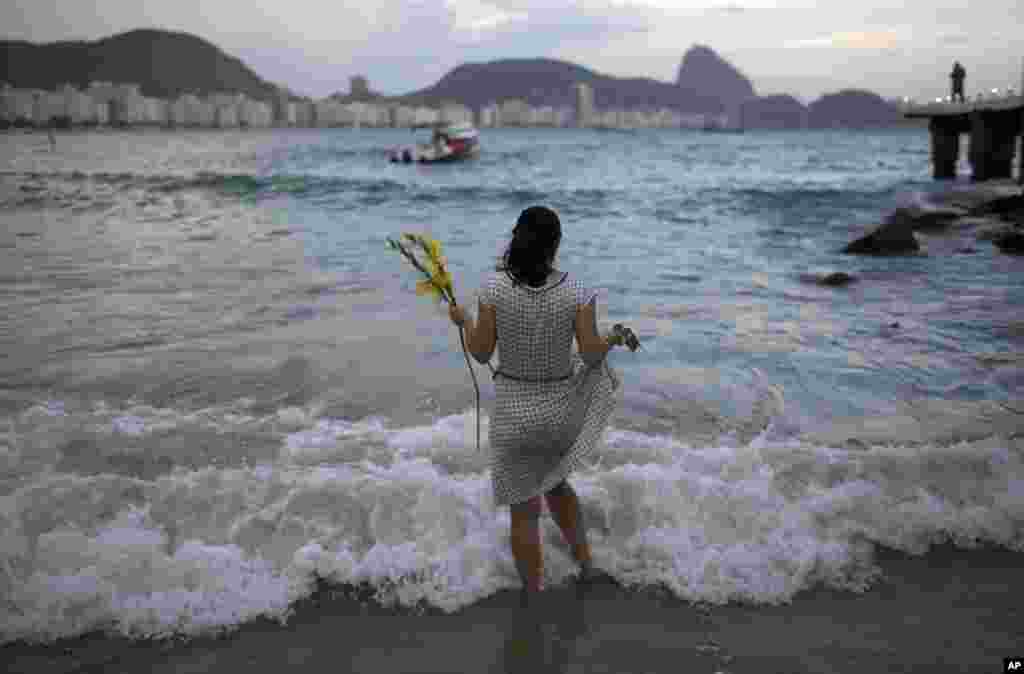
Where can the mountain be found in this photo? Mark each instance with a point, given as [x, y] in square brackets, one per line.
[774, 112]
[550, 82]
[852, 108]
[164, 64]
[703, 72]
[167, 64]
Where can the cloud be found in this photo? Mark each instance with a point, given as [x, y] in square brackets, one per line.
[405, 45]
[872, 40]
[544, 25]
[953, 39]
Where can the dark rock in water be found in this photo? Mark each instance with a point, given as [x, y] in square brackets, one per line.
[1010, 242]
[922, 220]
[835, 279]
[997, 232]
[888, 329]
[838, 278]
[1000, 206]
[966, 250]
[892, 238]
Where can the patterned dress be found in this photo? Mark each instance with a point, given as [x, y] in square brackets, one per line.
[550, 408]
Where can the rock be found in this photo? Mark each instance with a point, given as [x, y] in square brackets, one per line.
[834, 279]
[892, 238]
[1010, 242]
[922, 220]
[993, 232]
[1000, 206]
[966, 250]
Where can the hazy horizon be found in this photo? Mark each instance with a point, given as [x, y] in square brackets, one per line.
[804, 49]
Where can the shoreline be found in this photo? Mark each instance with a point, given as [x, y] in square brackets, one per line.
[949, 610]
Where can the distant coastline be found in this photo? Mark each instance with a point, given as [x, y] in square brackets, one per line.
[155, 78]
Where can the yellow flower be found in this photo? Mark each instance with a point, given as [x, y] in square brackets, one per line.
[428, 287]
[439, 282]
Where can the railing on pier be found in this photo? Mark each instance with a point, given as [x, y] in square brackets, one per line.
[946, 106]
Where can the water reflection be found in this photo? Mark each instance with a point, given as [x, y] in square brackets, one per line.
[548, 635]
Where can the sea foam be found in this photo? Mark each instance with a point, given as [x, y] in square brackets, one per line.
[410, 512]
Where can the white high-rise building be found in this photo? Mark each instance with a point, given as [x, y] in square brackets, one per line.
[426, 115]
[453, 113]
[80, 107]
[154, 111]
[584, 104]
[101, 113]
[226, 116]
[48, 106]
[19, 104]
[489, 116]
[305, 114]
[516, 112]
[330, 113]
[255, 114]
[403, 116]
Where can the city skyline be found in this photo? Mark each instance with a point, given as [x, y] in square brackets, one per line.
[800, 48]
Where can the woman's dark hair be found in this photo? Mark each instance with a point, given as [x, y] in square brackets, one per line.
[533, 246]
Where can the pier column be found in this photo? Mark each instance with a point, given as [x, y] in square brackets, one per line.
[993, 137]
[1020, 147]
[980, 147]
[945, 148]
[1020, 130]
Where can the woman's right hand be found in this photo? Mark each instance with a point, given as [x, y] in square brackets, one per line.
[625, 336]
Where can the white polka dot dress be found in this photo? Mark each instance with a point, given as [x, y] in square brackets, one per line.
[550, 408]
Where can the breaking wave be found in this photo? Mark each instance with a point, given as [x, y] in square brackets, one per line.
[409, 511]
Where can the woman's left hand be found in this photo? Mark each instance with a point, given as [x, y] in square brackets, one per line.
[457, 314]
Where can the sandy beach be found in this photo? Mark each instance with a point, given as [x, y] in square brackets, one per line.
[951, 610]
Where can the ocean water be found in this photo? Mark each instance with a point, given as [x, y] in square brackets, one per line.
[216, 382]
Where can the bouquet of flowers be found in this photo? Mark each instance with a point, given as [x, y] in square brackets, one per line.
[437, 283]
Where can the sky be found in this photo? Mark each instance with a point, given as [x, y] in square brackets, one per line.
[796, 47]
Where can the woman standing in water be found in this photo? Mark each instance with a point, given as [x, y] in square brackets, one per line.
[551, 407]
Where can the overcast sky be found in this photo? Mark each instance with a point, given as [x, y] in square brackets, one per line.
[799, 47]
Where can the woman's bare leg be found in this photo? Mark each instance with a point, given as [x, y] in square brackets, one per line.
[565, 509]
[525, 539]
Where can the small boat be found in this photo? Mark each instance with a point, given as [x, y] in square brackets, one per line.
[450, 142]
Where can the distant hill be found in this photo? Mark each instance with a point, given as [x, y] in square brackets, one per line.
[774, 112]
[550, 82]
[163, 63]
[704, 73]
[852, 108]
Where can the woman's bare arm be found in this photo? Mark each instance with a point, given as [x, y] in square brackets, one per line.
[593, 348]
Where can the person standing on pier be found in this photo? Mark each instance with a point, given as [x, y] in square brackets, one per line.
[958, 76]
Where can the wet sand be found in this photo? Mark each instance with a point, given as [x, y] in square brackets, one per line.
[950, 610]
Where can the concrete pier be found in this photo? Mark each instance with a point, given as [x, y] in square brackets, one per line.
[993, 125]
[993, 142]
[945, 149]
